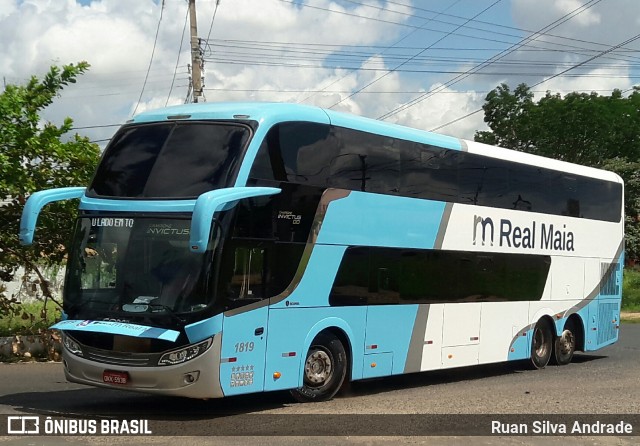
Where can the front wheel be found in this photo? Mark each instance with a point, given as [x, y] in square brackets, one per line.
[541, 344]
[325, 369]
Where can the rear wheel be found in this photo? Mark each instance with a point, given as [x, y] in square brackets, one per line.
[325, 369]
[541, 344]
[565, 345]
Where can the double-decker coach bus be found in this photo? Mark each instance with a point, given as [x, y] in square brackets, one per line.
[223, 249]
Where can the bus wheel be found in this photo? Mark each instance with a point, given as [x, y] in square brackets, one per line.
[325, 369]
[565, 345]
[542, 344]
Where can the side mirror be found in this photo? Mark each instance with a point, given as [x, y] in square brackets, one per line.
[36, 202]
[214, 201]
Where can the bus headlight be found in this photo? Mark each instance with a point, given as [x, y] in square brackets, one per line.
[185, 354]
[71, 345]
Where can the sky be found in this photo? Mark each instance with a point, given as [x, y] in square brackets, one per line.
[427, 64]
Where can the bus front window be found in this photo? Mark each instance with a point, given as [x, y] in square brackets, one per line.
[136, 266]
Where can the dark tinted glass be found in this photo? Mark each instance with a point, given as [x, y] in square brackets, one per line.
[324, 156]
[173, 160]
[365, 162]
[387, 276]
[296, 152]
[461, 177]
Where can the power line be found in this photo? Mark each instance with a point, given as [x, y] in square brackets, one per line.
[493, 59]
[175, 71]
[150, 61]
[492, 31]
[412, 57]
[213, 17]
[475, 37]
[382, 52]
[562, 73]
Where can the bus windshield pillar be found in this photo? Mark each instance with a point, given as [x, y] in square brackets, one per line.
[211, 202]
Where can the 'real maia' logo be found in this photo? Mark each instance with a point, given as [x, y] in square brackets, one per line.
[535, 235]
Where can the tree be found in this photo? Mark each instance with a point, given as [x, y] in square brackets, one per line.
[589, 129]
[36, 155]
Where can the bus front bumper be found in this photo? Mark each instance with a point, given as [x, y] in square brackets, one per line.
[197, 378]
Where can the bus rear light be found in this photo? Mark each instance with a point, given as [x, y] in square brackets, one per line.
[429, 342]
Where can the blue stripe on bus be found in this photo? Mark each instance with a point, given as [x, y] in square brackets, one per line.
[204, 329]
[363, 219]
[112, 205]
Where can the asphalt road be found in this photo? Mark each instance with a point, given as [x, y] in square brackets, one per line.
[605, 382]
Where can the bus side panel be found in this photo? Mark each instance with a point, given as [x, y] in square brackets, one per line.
[291, 331]
[605, 316]
[501, 324]
[382, 220]
[244, 342]
[389, 330]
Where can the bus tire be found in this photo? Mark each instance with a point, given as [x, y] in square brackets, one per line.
[325, 369]
[541, 344]
[565, 344]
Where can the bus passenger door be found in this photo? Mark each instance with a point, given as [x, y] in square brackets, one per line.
[244, 340]
[244, 328]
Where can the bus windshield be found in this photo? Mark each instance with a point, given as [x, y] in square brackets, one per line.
[136, 267]
[170, 160]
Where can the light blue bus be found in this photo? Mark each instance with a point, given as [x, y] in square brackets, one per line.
[230, 248]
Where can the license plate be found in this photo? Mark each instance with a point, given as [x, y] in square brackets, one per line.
[113, 377]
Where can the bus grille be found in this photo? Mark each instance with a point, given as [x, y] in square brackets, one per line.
[124, 359]
[609, 285]
[607, 321]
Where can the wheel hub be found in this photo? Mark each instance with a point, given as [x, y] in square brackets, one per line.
[539, 344]
[566, 342]
[318, 367]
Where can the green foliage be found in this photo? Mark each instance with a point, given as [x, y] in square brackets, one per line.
[29, 319]
[631, 290]
[36, 155]
[588, 129]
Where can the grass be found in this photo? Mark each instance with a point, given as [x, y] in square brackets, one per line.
[29, 319]
[631, 290]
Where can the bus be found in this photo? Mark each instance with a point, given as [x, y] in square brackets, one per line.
[228, 248]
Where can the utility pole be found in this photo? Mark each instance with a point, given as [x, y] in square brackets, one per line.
[196, 57]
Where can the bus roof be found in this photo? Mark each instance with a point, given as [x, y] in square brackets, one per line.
[272, 112]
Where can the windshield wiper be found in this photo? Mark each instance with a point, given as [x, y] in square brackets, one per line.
[167, 310]
[75, 307]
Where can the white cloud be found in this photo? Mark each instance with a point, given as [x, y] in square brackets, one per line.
[116, 37]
